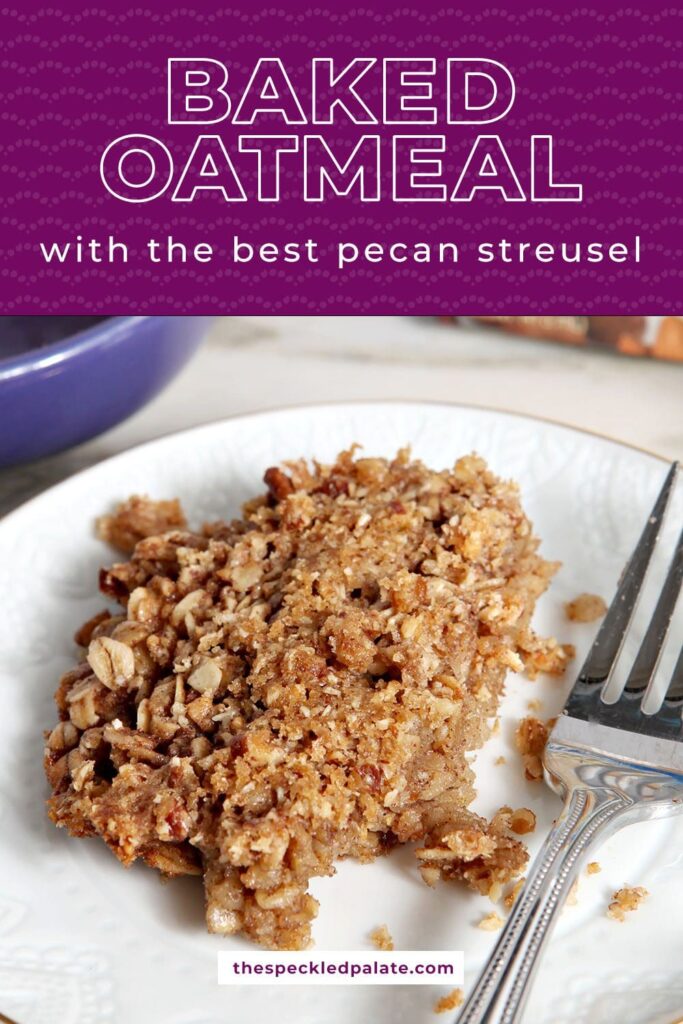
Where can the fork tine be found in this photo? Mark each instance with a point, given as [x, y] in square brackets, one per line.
[603, 654]
[674, 693]
[642, 674]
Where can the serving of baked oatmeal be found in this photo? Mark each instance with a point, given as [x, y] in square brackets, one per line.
[303, 684]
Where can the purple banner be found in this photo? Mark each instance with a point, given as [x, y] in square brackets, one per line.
[423, 159]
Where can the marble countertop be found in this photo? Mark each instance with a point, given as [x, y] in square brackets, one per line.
[253, 363]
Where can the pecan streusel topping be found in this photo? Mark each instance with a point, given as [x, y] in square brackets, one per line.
[302, 684]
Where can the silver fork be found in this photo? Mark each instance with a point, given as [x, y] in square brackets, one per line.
[612, 763]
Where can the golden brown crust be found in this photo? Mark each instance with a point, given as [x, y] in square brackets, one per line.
[302, 685]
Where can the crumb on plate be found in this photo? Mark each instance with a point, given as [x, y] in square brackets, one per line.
[585, 608]
[531, 737]
[626, 899]
[492, 922]
[522, 821]
[546, 655]
[512, 893]
[381, 938]
[501, 759]
[593, 868]
[452, 1001]
[573, 894]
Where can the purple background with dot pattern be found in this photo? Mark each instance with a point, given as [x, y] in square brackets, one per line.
[606, 83]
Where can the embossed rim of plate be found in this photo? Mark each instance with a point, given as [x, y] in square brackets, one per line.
[338, 403]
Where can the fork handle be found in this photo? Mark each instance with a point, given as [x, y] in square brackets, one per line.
[501, 991]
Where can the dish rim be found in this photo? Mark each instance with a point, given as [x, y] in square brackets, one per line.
[68, 348]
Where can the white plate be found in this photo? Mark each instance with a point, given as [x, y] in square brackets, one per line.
[84, 942]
